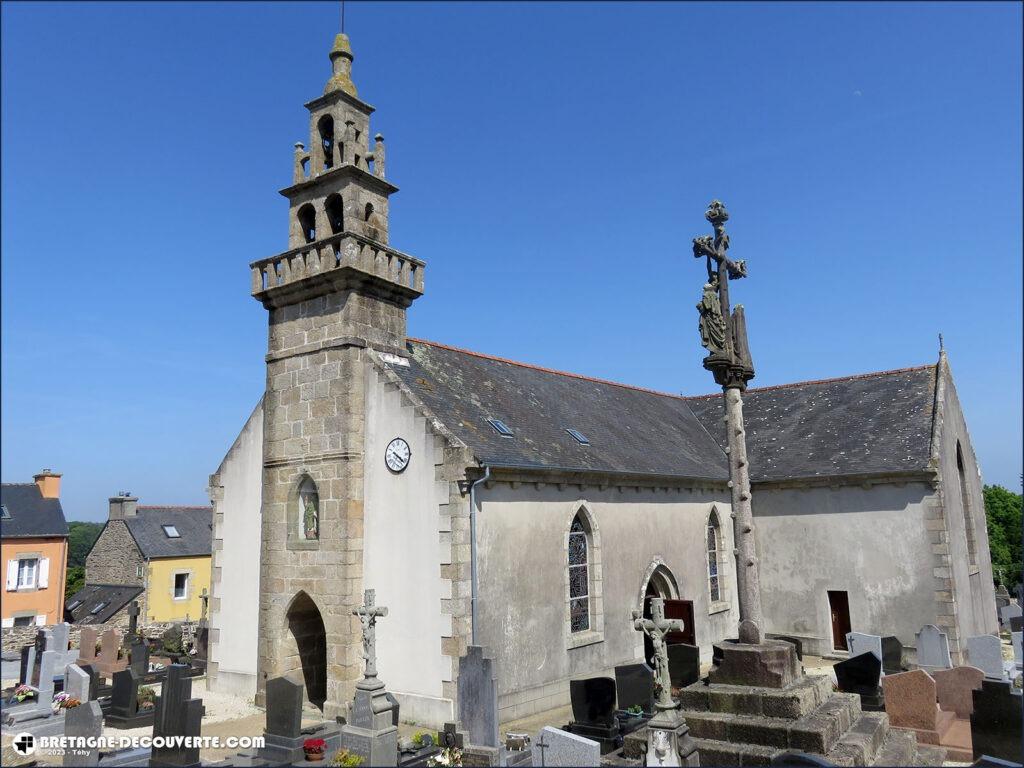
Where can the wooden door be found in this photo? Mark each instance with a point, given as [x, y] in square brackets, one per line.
[681, 609]
[839, 608]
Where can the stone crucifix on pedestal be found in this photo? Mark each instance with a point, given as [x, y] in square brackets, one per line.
[368, 614]
[724, 335]
[656, 628]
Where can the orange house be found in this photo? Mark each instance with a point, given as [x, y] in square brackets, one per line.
[33, 551]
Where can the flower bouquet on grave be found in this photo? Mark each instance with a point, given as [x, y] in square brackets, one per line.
[447, 757]
[314, 749]
[146, 698]
[63, 701]
[23, 692]
[346, 759]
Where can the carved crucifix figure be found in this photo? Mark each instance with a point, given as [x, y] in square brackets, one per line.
[368, 614]
[656, 628]
[204, 599]
[732, 368]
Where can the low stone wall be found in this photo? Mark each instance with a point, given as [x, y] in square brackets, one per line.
[14, 638]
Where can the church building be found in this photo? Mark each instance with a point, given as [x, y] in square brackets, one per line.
[532, 511]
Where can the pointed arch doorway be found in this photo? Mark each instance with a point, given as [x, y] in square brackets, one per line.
[308, 651]
[659, 581]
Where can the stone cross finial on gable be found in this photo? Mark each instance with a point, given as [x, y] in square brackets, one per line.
[368, 614]
[656, 628]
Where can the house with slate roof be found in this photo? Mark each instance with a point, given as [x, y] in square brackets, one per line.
[33, 550]
[158, 555]
[530, 511]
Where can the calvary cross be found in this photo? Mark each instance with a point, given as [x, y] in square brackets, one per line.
[715, 250]
[656, 628]
[368, 614]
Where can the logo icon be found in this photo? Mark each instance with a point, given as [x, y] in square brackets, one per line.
[24, 744]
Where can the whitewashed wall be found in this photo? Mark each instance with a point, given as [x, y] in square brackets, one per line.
[234, 609]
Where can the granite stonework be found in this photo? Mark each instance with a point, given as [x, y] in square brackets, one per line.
[683, 664]
[83, 722]
[41, 707]
[861, 675]
[478, 697]
[858, 643]
[1008, 612]
[77, 683]
[892, 655]
[736, 724]
[911, 702]
[1017, 641]
[796, 642]
[125, 711]
[593, 711]
[634, 687]
[996, 721]
[176, 714]
[985, 652]
[772, 664]
[553, 748]
[954, 689]
[933, 648]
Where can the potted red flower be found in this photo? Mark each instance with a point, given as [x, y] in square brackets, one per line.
[314, 749]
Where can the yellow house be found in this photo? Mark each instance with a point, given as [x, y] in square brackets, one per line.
[164, 551]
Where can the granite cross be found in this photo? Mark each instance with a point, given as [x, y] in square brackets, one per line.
[368, 614]
[204, 598]
[725, 337]
[133, 623]
[656, 628]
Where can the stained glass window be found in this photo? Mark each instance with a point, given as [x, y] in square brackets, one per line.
[714, 555]
[579, 578]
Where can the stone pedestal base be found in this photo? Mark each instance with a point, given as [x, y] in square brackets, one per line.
[771, 664]
[608, 736]
[669, 742]
[284, 750]
[376, 747]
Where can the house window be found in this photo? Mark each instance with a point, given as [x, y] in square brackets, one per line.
[180, 586]
[714, 557]
[28, 567]
[24, 621]
[579, 577]
[138, 571]
[171, 532]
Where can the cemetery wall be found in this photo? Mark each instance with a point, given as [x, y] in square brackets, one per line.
[871, 542]
[235, 492]
[15, 638]
[523, 608]
[409, 536]
[971, 587]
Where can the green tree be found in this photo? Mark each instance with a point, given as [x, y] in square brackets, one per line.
[1003, 516]
[81, 537]
[75, 580]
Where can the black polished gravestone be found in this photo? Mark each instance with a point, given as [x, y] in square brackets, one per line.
[683, 664]
[177, 714]
[139, 653]
[892, 655]
[634, 687]
[795, 641]
[996, 721]
[1017, 623]
[861, 675]
[94, 680]
[593, 712]
[124, 702]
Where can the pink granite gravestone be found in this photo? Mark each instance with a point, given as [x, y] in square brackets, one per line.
[954, 687]
[87, 646]
[910, 702]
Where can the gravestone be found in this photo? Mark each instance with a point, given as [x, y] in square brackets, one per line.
[1007, 612]
[593, 711]
[954, 687]
[83, 722]
[111, 657]
[28, 663]
[478, 696]
[1002, 596]
[858, 643]
[59, 637]
[553, 748]
[77, 683]
[910, 702]
[996, 721]
[892, 655]
[124, 702]
[177, 714]
[133, 624]
[87, 640]
[94, 679]
[139, 653]
[1017, 623]
[933, 648]
[1017, 639]
[985, 653]
[282, 736]
[634, 687]
[41, 705]
[683, 664]
[795, 641]
[861, 675]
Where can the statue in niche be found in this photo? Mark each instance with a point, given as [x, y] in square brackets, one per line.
[712, 326]
[309, 505]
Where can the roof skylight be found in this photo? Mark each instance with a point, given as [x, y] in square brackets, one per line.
[501, 428]
[4, 512]
[578, 436]
[172, 532]
[99, 607]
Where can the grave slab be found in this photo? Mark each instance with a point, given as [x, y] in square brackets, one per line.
[553, 748]
[933, 648]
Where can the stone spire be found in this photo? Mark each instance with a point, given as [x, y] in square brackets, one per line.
[341, 63]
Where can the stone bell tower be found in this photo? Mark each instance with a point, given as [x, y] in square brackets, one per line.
[337, 291]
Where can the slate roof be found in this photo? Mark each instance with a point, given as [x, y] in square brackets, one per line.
[194, 524]
[30, 514]
[868, 424]
[630, 430]
[115, 597]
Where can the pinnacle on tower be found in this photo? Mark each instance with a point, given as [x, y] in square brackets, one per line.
[341, 62]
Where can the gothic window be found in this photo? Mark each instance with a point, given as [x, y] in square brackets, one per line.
[326, 129]
[714, 534]
[335, 208]
[579, 576]
[307, 222]
[309, 510]
[965, 502]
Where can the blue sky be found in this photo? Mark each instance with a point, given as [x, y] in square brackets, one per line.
[554, 162]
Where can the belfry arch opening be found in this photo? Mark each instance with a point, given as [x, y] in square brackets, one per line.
[325, 127]
[335, 209]
[307, 222]
[306, 631]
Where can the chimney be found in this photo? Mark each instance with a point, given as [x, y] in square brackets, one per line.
[123, 505]
[49, 483]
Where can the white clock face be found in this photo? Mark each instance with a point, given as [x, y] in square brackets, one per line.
[397, 455]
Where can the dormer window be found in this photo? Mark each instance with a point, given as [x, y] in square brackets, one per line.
[171, 532]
